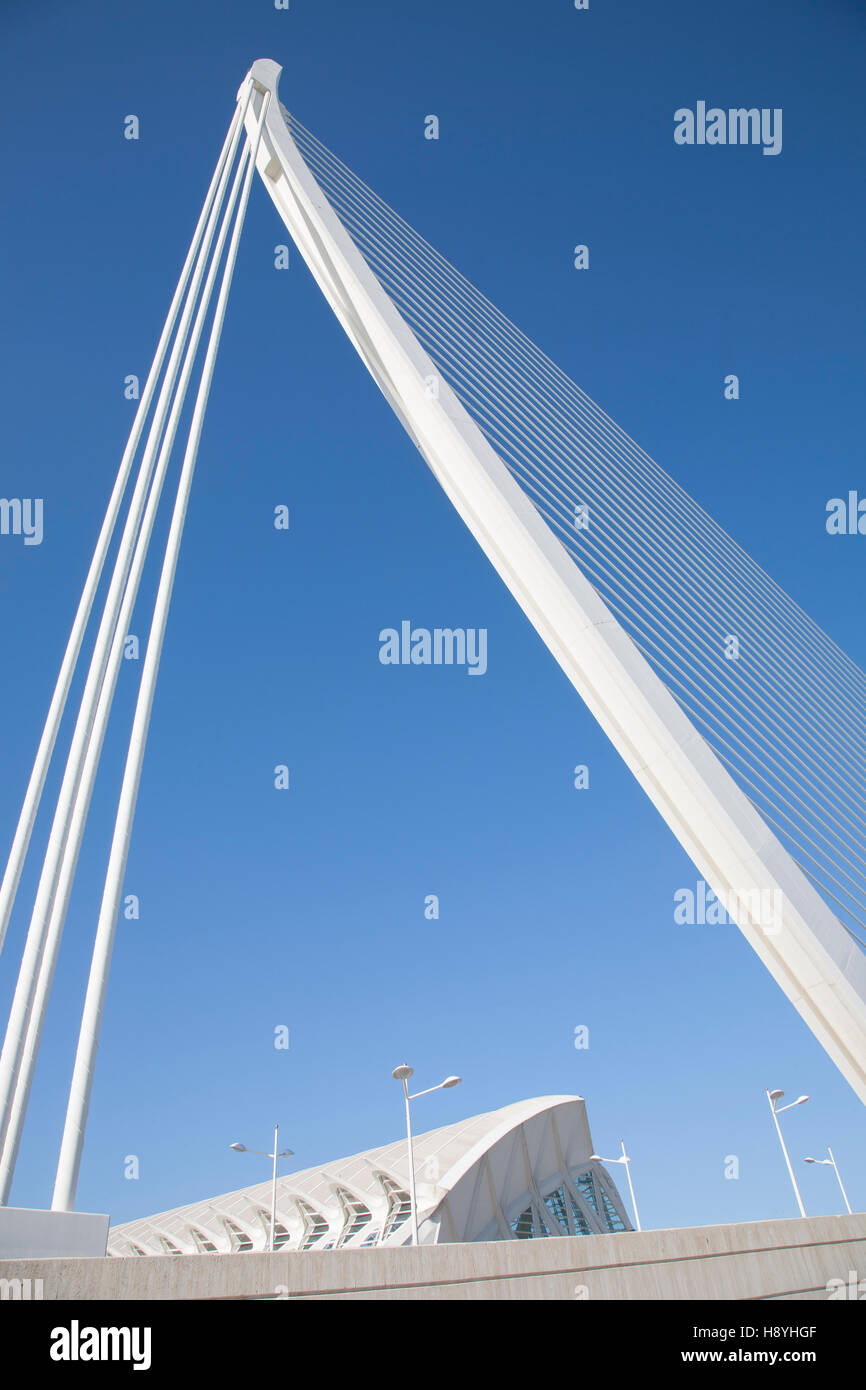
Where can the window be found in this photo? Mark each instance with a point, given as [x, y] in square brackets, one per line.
[399, 1205]
[356, 1215]
[612, 1218]
[587, 1189]
[555, 1203]
[315, 1224]
[240, 1241]
[281, 1236]
[201, 1242]
[530, 1224]
[521, 1226]
[169, 1247]
[581, 1225]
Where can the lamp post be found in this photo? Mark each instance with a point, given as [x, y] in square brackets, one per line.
[626, 1161]
[402, 1074]
[284, 1153]
[831, 1162]
[773, 1097]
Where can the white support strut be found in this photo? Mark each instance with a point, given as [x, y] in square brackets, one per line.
[21, 1042]
[69, 860]
[24, 829]
[88, 1042]
[801, 942]
[67, 830]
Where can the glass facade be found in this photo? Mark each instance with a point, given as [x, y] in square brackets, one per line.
[553, 1217]
[521, 1226]
[555, 1203]
[586, 1187]
[581, 1225]
[613, 1220]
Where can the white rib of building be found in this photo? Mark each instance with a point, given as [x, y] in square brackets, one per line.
[520, 1172]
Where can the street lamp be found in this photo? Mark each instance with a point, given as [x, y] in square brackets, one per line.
[773, 1097]
[626, 1161]
[284, 1153]
[402, 1074]
[831, 1162]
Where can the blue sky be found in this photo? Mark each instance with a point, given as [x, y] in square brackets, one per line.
[305, 908]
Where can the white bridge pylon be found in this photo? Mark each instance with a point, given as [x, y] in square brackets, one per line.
[786, 921]
[806, 948]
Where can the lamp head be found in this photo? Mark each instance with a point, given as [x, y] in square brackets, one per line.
[238, 1148]
[402, 1073]
[451, 1081]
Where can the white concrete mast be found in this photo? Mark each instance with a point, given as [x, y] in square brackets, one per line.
[802, 943]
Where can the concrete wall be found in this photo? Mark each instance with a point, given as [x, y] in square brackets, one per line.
[763, 1259]
[28, 1235]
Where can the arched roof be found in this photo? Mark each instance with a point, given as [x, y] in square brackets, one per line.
[474, 1179]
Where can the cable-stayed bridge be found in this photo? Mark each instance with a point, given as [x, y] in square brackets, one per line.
[743, 722]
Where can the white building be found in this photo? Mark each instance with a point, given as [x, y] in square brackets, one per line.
[521, 1172]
